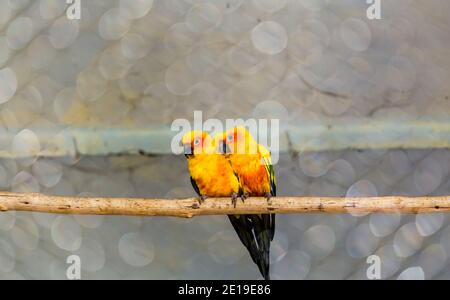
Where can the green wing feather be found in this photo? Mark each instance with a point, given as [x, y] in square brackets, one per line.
[265, 155]
[271, 175]
[269, 220]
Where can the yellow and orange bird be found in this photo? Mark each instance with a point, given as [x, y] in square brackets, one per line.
[212, 176]
[253, 166]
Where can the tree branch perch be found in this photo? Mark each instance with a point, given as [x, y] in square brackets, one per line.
[188, 208]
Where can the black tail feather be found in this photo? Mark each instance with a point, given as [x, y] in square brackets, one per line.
[256, 233]
[263, 238]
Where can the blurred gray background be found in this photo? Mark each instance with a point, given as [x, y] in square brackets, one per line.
[139, 64]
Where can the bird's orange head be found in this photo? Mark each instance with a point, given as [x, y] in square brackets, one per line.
[196, 142]
[237, 140]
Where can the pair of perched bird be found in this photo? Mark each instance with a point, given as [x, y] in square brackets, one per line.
[233, 164]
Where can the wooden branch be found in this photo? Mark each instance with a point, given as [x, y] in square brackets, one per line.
[188, 208]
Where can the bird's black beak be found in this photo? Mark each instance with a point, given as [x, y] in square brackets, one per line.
[187, 149]
[226, 149]
[223, 148]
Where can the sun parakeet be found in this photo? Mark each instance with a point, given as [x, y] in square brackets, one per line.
[211, 174]
[252, 164]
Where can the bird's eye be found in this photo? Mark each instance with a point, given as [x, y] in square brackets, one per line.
[230, 138]
[197, 142]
